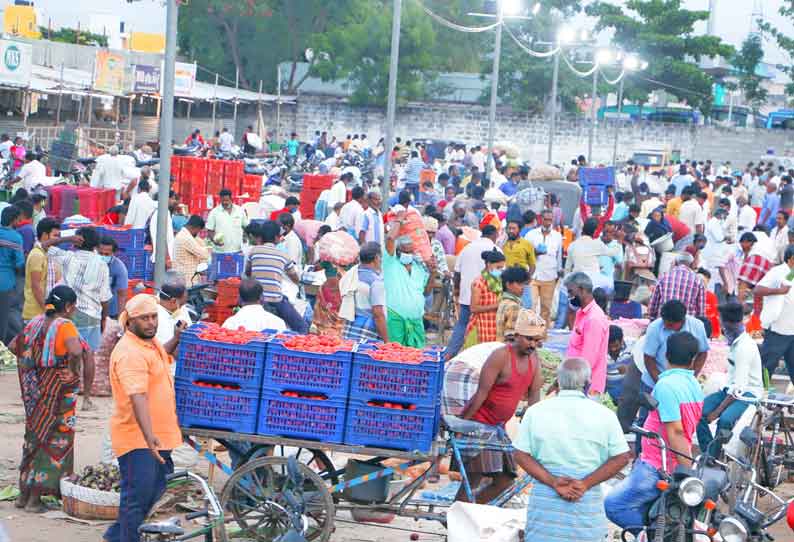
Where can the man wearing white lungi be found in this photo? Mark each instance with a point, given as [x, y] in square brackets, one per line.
[569, 444]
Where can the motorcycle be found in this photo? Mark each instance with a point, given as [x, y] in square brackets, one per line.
[197, 300]
[684, 510]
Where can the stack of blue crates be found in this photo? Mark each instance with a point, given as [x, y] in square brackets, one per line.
[218, 385]
[131, 250]
[226, 265]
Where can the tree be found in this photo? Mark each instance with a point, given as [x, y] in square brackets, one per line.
[358, 50]
[784, 41]
[662, 33]
[745, 62]
[73, 35]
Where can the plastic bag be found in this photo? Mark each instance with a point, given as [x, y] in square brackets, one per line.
[338, 247]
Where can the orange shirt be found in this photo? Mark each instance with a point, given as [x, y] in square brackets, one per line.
[138, 366]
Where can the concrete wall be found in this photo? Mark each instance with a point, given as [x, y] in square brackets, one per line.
[469, 124]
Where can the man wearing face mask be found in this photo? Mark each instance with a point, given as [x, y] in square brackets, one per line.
[408, 283]
[119, 277]
[548, 251]
[590, 331]
[745, 378]
[172, 317]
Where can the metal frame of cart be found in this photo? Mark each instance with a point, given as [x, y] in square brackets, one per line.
[252, 492]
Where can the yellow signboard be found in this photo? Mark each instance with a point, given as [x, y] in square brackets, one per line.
[109, 72]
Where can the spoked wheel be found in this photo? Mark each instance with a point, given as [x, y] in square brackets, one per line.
[316, 460]
[263, 499]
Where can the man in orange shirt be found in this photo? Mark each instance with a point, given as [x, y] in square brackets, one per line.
[144, 427]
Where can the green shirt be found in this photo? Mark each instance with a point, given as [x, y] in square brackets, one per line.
[405, 293]
[229, 225]
[570, 432]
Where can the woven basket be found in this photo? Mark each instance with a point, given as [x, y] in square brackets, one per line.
[87, 503]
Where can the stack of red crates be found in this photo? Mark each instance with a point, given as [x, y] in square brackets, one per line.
[95, 202]
[215, 176]
[194, 176]
[313, 186]
[252, 186]
[176, 174]
[228, 294]
[233, 175]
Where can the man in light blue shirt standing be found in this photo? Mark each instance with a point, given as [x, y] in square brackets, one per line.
[413, 171]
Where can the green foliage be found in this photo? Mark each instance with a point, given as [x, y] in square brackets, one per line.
[662, 33]
[72, 35]
[746, 61]
[783, 40]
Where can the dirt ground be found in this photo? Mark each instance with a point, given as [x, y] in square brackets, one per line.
[23, 527]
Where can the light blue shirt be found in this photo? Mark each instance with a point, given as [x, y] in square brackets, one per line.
[613, 258]
[413, 170]
[620, 212]
[406, 290]
[570, 432]
[656, 342]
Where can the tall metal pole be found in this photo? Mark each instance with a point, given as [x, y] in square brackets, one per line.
[592, 119]
[391, 107]
[259, 110]
[60, 99]
[214, 102]
[619, 122]
[278, 104]
[553, 121]
[497, 53]
[166, 141]
[236, 89]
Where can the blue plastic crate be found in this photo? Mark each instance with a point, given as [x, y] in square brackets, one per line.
[235, 364]
[210, 408]
[294, 370]
[129, 239]
[381, 427]
[136, 262]
[224, 266]
[417, 384]
[298, 417]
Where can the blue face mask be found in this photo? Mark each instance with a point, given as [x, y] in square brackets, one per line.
[106, 259]
[406, 259]
[496, 273]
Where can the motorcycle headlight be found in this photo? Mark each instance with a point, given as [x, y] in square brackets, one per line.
[733, 530]
[692, 491]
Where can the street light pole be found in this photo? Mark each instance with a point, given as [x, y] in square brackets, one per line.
[553, 121]
[619, 121]
[391, 108]
[494, 88]
[592, 117]
[166, 141]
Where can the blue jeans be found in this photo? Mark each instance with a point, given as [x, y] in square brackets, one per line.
[459, 332]
[628, 503]
[284, 310]
[142, 485]
[92, 335]
[526, 297]
[727, 419]
[562, 310]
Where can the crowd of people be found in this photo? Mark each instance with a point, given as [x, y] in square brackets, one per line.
[704, 253]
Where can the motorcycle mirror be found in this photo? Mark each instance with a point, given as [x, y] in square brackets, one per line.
[202, 267]
[647, 400]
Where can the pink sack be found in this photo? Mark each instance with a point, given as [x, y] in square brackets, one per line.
[413, 226]
[307, 230]
[338, 247]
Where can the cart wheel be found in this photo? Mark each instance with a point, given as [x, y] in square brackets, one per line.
[316, 460]
[255, 495]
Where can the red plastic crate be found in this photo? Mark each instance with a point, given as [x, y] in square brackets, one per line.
[214, 184]
[233, 174]
[251, 185]
[218, 314]
[228, 292]
[215, 167]
[199, 203]
[318, 182]
[176, 169]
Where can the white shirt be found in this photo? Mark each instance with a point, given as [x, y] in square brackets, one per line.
[254, 318]
[747, 219]
[583, 255]
[546, 265]
[778, 309]
[478, 159]
[169, 235]
[333, 220]
[31, 174]
[226, 141]
[779, 237]
[166, 322]
[745, 371]
[470, 264]
[691, 214]
[141, 208]
[109, 171]
[5, 149]
[373, 226]
[352, 217]
[337, 194]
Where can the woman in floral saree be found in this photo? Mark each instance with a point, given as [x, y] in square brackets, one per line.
[49, 352]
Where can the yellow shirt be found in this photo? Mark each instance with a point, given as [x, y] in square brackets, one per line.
[674, 207]
[37, 262]
[138, 366]
[519, 252]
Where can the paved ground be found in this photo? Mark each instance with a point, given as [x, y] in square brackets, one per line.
[24, 527]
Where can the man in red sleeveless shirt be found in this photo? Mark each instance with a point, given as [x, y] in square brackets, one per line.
[510, 374]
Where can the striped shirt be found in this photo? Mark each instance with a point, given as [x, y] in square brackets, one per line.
[89, 277]
[268, 266]
[679, 283]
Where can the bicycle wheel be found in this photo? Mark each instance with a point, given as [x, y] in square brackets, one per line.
[316, 460]
[262, 498]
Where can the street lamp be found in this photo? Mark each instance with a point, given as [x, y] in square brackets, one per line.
[630, 63]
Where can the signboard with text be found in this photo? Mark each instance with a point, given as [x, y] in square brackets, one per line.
[16, 63]
[109, 73]
[146, 79]
[184, 79]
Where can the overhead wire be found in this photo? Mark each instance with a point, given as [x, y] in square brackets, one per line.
[529, 51]
[616, 81]
[455, 26]
[576, 71]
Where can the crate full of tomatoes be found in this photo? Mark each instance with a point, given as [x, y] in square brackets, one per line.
[309, 416]
[214, 404]
[309, 363]
[392, 372]
[211, 353]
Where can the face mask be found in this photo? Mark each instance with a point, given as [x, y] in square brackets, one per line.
[576, 302]
[106, 259]
[732, 330]
[496, 273]
[406, 259]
